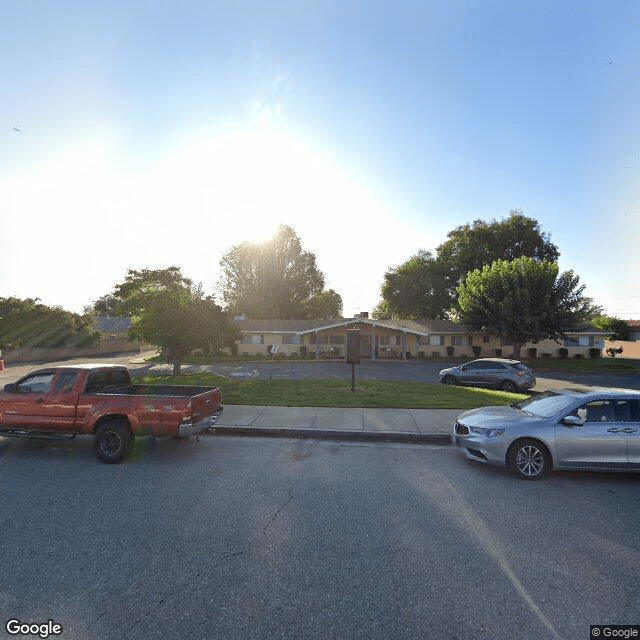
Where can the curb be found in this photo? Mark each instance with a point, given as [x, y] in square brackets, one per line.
[443, 439]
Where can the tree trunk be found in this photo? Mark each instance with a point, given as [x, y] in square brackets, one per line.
[176, 368]
[517, 347]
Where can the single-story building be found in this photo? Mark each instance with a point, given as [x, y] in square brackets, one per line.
[394, 339]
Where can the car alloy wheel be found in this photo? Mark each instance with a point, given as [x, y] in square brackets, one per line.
[529, 460]
[449, 380]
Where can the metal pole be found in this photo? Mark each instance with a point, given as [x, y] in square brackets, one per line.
[353, 378]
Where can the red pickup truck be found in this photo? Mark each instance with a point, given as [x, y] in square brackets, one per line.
[101, 400]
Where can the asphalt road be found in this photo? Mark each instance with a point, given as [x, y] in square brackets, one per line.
[257, 538]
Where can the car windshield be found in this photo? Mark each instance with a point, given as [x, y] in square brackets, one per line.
[546, 404]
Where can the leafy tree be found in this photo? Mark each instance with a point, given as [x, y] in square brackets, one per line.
[619, 328]
[171, 313]
[426, 285]
[28, 323]
[524, 301]
[272, 279]
[472, 246]
[416, 289]
[326, 305]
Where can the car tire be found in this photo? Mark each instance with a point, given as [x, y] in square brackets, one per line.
[113, 441]
[529, 459]
[509, 386]
[449, 380]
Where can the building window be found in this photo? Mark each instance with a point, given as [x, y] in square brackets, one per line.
[578, 341]
[318, 338]
[389, 341]
[460, 341]
[486, 339]
[290, 338]
[252, 338]
[436, 341]
[339, 340]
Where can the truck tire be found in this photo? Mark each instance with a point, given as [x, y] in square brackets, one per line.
[112, 441]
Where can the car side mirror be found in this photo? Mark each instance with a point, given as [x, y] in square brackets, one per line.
[9, 388]
[463, 368]
[572, 421]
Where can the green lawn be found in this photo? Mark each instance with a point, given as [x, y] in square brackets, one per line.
[337, 393]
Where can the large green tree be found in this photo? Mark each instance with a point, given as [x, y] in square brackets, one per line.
[326, 305]
[29, 323]
[524, 300]
[416, 289]
[426, 285]
[168, 311]
[272, 279]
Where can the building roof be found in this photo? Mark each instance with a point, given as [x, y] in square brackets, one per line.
[111, 324]
[418, 327]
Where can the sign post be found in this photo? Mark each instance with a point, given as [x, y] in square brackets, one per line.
[353, 354]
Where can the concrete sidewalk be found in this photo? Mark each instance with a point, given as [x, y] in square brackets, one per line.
[430, 426]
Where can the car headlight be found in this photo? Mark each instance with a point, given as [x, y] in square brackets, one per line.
[489, 433]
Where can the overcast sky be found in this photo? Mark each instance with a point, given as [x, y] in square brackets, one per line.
[147, 134]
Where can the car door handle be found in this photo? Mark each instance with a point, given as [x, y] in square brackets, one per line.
[628, 430]
[614, 430]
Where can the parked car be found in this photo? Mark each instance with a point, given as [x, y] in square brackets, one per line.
[508, 375]
[100, 399]
[595, 430]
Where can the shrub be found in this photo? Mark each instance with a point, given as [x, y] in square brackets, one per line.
[420, 355]
[450, 351]
[546, 355]
[614, 351]
[563, 352]
[435, 354]
[477, 350]
[303, 350]
[533, 352]
[594, 352]
[578, 356]
[498, 353]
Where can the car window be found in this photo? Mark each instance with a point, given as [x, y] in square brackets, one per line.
[520, 367]
[108, 378]
[65, 380]
[37, 383]
[598, 411]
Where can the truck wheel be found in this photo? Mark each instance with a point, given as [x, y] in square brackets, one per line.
[113, 441]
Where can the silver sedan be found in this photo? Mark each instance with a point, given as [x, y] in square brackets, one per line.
[595, 429]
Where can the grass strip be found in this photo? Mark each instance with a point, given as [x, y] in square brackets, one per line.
[337, 393]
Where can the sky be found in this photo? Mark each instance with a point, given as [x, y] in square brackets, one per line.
[138, 134]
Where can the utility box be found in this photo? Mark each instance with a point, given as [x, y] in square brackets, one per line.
[353, 346]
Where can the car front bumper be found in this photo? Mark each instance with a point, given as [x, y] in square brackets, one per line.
[488, 450]
[192, 428]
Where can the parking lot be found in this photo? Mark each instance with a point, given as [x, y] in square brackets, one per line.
[413, 370]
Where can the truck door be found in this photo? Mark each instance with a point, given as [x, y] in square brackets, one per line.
[60, 404]
[25, 406]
